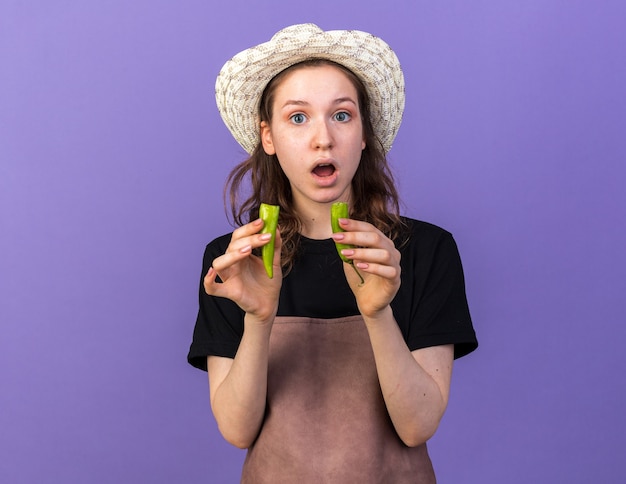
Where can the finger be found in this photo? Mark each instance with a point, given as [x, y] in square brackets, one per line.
[364, 234]
[351, 225]
[391, 273]
[388, 257]
[211, 286]
[231, 257]
[278, 244]
[248, 229]
[372, 239]
[253, 241]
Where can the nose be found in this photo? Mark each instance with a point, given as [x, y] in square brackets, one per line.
[322, 137]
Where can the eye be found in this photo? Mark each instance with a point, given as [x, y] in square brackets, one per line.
[298, 118]
[342, 116]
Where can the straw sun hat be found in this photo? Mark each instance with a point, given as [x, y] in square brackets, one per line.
[243, 78]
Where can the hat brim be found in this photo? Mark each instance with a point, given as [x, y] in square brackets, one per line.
[243, 78]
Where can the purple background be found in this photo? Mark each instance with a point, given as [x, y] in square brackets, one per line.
[112, 162]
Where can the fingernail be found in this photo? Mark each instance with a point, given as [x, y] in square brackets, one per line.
[347, 252]
[338, 236]
[362, 265]
[265, 236]
[245, 249]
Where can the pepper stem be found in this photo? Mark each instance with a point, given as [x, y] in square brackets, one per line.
[358, 273]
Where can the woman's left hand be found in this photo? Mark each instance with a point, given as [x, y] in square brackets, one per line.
[377, 260]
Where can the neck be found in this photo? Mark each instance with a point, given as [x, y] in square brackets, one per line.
[315, 221]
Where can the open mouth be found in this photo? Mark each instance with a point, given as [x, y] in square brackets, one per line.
[324, 170]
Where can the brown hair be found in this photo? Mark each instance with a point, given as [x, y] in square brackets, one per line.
[374, 195]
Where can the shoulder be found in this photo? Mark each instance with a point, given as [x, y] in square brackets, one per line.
[219, 244]
[431, 305]
[424, 229]
[427, 246]
[215, 248]
[421, 234]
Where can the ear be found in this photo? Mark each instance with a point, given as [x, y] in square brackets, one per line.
[266, 138]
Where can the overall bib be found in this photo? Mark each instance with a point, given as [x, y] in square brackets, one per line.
[326, 421]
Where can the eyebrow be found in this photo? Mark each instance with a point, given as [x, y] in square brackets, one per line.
[297, 102]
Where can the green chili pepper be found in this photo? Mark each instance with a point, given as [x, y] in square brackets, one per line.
[340, 210]
[269, 215]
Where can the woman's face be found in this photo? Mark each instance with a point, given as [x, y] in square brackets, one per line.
[316, 132]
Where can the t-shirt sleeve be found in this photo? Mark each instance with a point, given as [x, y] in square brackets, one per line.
[219, 324]
[438, 311]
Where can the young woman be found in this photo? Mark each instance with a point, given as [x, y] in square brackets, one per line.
[321, 377]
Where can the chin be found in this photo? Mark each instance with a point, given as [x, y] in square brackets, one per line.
[328, 198]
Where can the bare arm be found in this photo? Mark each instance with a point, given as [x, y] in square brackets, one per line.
[415, 385]
[238, 387]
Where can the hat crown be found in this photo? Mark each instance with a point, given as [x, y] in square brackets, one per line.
[304, 30]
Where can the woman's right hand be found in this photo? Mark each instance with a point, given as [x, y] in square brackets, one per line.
[243, 276]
